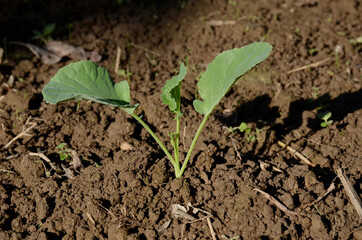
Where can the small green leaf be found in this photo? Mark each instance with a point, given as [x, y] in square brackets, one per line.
[223, 72]
[48, 29]
[243, 127]
[172, 90]
[86, 80]
[324, 115]
[60, 146]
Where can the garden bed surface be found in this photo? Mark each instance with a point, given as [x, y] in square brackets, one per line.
[125, 193]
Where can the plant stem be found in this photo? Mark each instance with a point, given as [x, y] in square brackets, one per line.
[174, 163]
[177, 151]
[193, 143]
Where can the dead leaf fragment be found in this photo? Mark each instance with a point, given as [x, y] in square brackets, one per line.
[164, 226]
[45, 55]
[180, 211]
[64, 49]
[54, 51]
[76, 162]
[68, 173]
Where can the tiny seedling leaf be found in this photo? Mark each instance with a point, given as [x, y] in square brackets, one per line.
[243, 127]
[223, 72]
[86, 80]
[171, 92]
[324, 115]
[48, 29]
[60, 146]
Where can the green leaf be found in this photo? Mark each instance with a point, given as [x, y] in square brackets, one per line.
[60, 146]
[171, 92]
[324, 115]
[48, 29]
[223, 72]
[86, 80]
[243, 127]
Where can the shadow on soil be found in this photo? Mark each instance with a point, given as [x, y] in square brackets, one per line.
[258, 111]
[26, 16]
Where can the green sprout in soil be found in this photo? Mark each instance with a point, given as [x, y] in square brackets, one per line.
[85, 80]
[63, 151]
[44, 35]
[243, 128]
[324, 116]
[125, 73]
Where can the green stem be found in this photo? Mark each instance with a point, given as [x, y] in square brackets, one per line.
[177, 148]
[193, 143]
[174, 163]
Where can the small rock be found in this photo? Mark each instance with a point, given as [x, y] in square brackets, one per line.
[126, 146]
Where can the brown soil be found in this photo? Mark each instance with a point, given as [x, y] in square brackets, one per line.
[127, 194]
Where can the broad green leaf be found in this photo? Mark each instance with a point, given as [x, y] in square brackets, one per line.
[223, 72]
[171, 92]
[87, 80]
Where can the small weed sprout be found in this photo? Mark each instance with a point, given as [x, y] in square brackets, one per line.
[44, 35]
[85, 80]
[324, 116]
[243, 128]
[315, 92]
[63, 151]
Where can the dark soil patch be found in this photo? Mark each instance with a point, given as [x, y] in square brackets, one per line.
[127, 194]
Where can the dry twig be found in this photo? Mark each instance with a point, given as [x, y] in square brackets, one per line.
[220, 22]
[28, 126]
[330, 189]
[236, 150]
[313, 65]
[276, 202]
[6, 171]
[45, 158]
[118, 59]
[351, 192]
[213, 235]
[296, 153]
[107, 210]
[93, 223]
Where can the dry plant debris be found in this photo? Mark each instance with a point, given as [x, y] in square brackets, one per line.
[351, 192]
[313, 65]
[28, 126]
[54, 51]
[296, 154]
[276, 202]
[180, 211]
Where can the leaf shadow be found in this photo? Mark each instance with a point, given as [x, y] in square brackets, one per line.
[259, 111]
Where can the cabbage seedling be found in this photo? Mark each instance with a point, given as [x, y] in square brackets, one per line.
[86, 80]
[325, 117]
